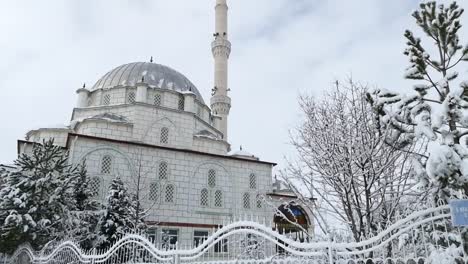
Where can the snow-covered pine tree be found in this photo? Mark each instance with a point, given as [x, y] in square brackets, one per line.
[87, 210]
[36, 198]
[117, 219]
[435, 116]
[437, 112]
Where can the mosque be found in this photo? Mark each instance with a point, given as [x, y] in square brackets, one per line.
[149, 125]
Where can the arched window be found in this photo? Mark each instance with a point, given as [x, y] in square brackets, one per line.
[106, 165]
[154, 191]
[106, 99]
[170, 193]
[181, 105]
[95, 185]
[157, 99]
[218, 198]
[131, 97]
[212, 178]
[253, 181]
[246, 200]
[164, 135]
[259, 201]
[204, 201]
[163, 170]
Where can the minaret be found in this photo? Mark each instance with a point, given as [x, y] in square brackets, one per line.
[221, 48]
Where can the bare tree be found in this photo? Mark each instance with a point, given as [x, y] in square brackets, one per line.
[140, 185]
[345, 163]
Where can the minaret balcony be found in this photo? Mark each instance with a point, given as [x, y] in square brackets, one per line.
[220, 43]
[220, 99]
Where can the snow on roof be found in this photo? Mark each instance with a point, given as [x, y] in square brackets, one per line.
[207, 134]
[50, 127]
[108, 117]
[53, 126]
[244, 154]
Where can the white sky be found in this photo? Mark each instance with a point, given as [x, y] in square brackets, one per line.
[281, 48]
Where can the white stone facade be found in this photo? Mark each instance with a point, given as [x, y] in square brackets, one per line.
[147, 123]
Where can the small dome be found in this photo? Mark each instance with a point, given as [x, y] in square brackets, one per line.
[244, 155]
[155, 75]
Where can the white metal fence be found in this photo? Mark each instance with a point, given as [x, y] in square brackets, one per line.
[421, 237]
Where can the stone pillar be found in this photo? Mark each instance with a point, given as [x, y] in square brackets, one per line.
[189, 102]
[142, 92]
[217, 122]
[83, 96]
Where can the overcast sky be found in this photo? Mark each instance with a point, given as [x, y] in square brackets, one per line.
[281, 48]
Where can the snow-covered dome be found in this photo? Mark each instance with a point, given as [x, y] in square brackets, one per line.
[155, 75]
[244, 155]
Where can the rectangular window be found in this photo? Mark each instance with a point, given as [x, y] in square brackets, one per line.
[181, 105]
[221, 246]
[169, 238]
[199, 237]
[106, 99]
[152, 234]
[157, 99]
[131, 97]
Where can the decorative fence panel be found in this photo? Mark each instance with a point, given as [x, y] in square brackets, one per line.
[421, 237]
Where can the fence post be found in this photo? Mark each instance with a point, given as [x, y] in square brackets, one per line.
[176, 259]
[93, 256]
[330, 250]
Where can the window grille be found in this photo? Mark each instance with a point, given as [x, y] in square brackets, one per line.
[164, 135]
[131, 97]
[204, 197]
[163, 170]
[95, 185]
[253, 181]
[157, 99]
[259, 201]
[169, 238]
[181, 102]
[221, 246]
[106, 165]
[106, 99]
[218, 199]
[199, 237]
[246, 200]
[154, 191]
[212, 178]
[170, 193]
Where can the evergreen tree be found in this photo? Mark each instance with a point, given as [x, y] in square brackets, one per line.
[435, 117]
[117, 219]
[437, 110]
[87, 210]
[36, 198]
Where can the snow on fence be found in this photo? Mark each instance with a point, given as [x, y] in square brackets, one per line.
[421, 237]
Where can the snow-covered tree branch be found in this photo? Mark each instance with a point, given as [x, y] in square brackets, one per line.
[345, 163]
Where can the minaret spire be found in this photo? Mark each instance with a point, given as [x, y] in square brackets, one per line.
[221, 49]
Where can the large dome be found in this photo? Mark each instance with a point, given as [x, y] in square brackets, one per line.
[155, 75]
